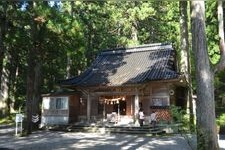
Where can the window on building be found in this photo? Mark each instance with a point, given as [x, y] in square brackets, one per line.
[160, 97]
[46, 103]
[52, 103]
[55, 103]
[160, 101]
[61, 103]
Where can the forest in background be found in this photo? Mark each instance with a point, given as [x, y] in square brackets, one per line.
[44, 42]
[65, 37]
[61, 39]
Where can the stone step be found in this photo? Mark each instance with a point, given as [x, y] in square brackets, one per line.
[105, 129]
[139, 132]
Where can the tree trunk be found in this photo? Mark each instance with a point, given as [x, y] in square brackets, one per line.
[37, 92]
[206, 124]
[2, 55]
[33, 88]
[89, 51]
[2, 35]
[69, 59]
[134, 28]
[34, 72]
[8, 78]
[185, 57]
[29, 99]
[220, 19]
[134, 33]
[2, 50]
[13, 71]
[30, 91]
[68, 66]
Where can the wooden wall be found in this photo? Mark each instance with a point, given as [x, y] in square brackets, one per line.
[156, 91]
[74, 103]
[145, 100]
[129, 105]
[94, 105]
[78, 105]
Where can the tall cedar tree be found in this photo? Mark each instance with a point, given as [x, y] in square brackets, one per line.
[185, 55]
[206, 124]
[34, 69]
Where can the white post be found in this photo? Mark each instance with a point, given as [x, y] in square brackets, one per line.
[104, 115]
[19, 119]
[16, 128]
[21, 127]
[136, 103]
[118, 116]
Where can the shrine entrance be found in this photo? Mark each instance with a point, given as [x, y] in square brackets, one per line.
[112, 107]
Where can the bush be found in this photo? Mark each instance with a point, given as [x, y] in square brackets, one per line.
[221, 120]
[221, 123]
[179, 115]
[8, 120]
[220, 111]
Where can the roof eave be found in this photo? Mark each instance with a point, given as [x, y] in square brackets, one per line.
[181, 78]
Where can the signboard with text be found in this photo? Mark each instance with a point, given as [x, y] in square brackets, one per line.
[19, 118]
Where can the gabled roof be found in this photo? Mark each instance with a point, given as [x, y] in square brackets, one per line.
[129, 66]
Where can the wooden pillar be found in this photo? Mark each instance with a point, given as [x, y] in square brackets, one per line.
[136, 103]
[104, 112]
[88, 107]
[150, 99]
[136, 106]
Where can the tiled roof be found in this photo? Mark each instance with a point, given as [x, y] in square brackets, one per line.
[129, 66]
[61, 92]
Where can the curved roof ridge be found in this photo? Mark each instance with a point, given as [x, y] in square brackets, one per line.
[146, 47]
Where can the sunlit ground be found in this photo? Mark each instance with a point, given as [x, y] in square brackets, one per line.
[45, 140]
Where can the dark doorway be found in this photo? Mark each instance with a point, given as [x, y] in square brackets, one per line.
[181, 97]
[122, 107]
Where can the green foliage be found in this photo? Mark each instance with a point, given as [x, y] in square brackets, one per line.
[8, 120]
[221, 120]
[219, 88]
[201, 137]
[180, 116]
[80, 29]
[177, 113]
[212, 31]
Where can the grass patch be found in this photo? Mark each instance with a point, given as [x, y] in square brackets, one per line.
[8, 120]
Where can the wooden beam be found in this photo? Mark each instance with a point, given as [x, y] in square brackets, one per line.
[136, 106]
[88, 107]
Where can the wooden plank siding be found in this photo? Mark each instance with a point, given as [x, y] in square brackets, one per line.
[77, 110]
[74, 104]
[129, 106]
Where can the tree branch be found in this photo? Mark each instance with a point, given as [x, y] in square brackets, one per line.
[221, 65]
